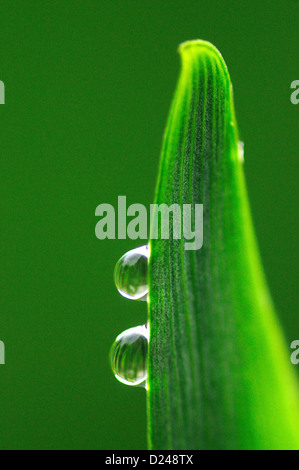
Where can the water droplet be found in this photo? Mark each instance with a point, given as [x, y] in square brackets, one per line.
[130, 274]
[128, 356]
[241, 152]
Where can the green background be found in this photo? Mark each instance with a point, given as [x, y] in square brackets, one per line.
[88, 88]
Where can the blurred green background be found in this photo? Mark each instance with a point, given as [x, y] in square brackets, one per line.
[88, 89]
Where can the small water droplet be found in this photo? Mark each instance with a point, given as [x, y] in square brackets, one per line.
[130, 274]
[241, 151]
[128, 356]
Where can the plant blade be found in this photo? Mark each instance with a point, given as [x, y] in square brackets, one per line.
[219, 376]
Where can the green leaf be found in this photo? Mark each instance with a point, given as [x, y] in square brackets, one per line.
[219, 372]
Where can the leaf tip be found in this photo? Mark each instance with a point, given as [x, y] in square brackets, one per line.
[195, 46]
[198, 49]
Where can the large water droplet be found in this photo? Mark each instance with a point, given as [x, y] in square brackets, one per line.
[130, 274]
[128, 356]
[241, 151]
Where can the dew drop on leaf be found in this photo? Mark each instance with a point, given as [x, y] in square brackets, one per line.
[128, 356]
[131, 274]
[241, 151]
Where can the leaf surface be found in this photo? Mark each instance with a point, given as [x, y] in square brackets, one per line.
[219, 372]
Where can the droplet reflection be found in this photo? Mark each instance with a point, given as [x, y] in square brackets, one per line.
[128, 356]
[131, 273]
